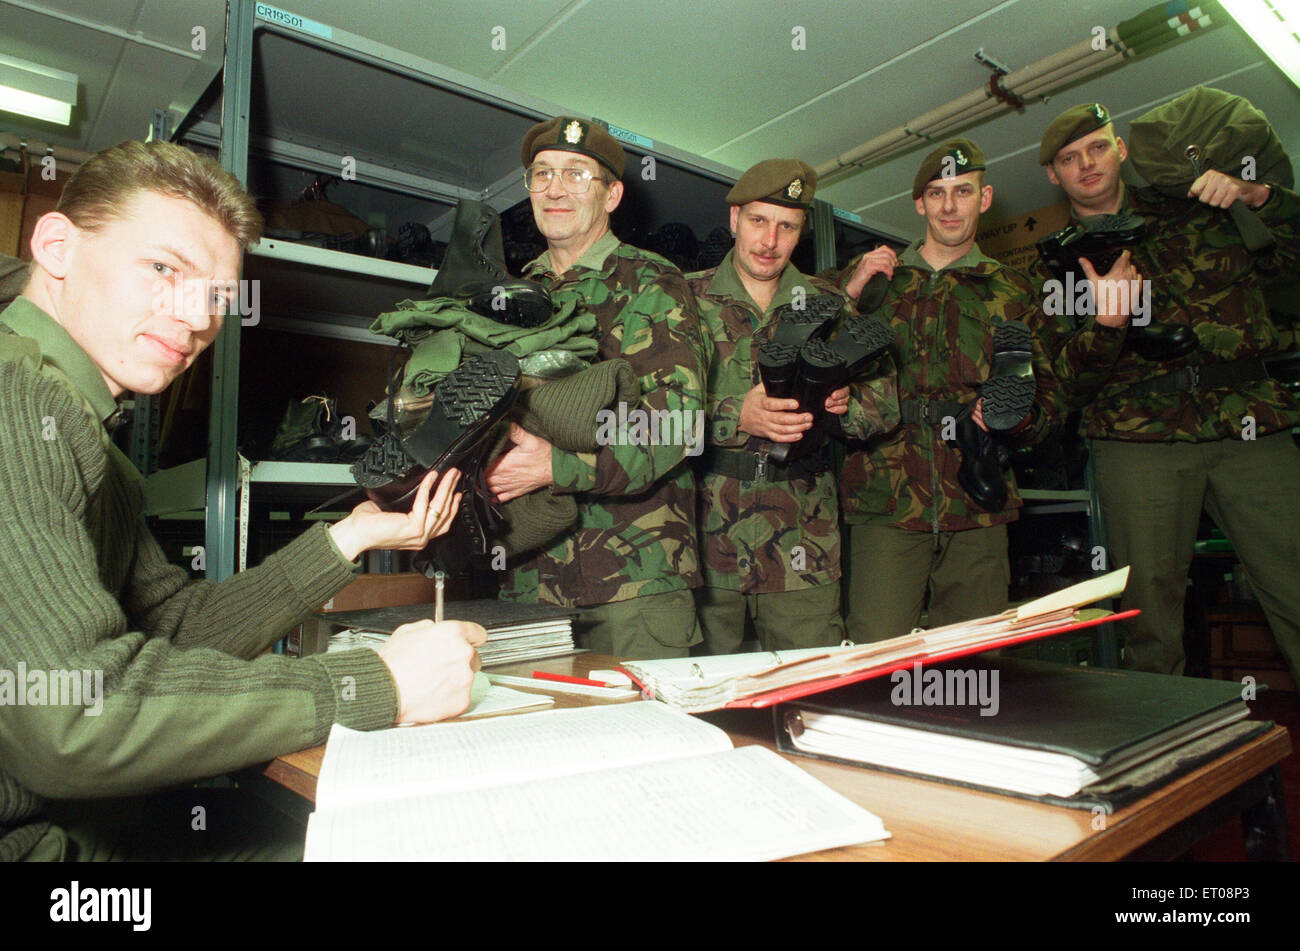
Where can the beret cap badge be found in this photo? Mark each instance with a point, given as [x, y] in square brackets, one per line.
[573, 132]
[794, 189]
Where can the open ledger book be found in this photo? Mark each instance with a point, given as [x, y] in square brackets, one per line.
[700, 684]
[632, 781]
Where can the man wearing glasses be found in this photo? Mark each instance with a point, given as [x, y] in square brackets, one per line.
[630, 561]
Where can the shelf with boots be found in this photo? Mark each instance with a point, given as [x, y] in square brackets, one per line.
[402, 139]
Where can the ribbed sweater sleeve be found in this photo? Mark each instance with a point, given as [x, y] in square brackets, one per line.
[86, 589]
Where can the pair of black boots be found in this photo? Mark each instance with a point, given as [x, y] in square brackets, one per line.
[1008, 395]
[801, 361]
[1102, 239]
[452, 425]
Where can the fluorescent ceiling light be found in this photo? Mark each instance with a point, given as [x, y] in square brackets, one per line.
[30, 89]
[1274, 25]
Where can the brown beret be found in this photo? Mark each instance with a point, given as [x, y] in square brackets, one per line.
[955, 157]
[787, 182]
[574, 135]
[1070, 125]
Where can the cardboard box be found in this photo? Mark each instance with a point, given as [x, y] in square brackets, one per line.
[1013, 241]
[383, 591]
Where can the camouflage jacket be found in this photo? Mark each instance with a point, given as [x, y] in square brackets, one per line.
[636, 497]
[943, 324]
[765, 535]
[1201, 277]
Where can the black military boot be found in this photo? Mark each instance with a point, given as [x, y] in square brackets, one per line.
[474, 270]
[792, 328]
[823, 367]
[1008, 393]
[778, 368]
[982, 463]
[1099, 238]
[478, 522]
[1160, 343]
[447, 428]
[778, 356]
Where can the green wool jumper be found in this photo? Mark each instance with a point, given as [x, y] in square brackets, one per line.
[84, 587]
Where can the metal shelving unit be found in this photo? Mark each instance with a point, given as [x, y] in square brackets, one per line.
[414, 135]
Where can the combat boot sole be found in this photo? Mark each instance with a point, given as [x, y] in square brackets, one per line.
[1009, 391]
[516, 302]
[795, 326]
[466, 404]
[825, 366]
[778, 368]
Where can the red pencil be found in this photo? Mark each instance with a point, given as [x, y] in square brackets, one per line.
[564, 678]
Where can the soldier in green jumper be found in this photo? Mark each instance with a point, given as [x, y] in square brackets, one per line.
[1207, 429]
[630, 562]
[132, 274]
[769, 538]
[913, 529]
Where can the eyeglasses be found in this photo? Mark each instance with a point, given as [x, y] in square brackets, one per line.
[576, 181]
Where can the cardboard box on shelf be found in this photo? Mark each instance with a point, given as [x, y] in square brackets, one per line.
[1013, 241]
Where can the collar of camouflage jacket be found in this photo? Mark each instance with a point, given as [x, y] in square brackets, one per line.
[60, 351]
[595, 258]
[727, 284]
[974, 260]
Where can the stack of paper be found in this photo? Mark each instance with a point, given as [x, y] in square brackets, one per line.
[628, 782]
[516, 632]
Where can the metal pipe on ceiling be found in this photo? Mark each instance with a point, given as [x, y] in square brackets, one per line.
[1150, 30]
[989, 109]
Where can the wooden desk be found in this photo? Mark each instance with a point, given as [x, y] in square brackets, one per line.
[932, 821]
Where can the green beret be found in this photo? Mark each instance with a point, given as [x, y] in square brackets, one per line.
[955, 157]
[574, 135]
[787, 182]
[1070, 125]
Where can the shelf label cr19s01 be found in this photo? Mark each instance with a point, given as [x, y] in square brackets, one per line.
[284, 18]
[640, 141]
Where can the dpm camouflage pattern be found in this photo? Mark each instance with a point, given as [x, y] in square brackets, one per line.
[764, 536]
[943, 325]
[1201, 277]
[636, 502]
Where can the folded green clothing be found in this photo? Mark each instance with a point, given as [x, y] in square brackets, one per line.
[438, 330]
